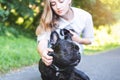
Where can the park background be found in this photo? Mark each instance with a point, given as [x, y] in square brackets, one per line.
[19, 19]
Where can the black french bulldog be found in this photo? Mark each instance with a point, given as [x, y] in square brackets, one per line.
[65, 57]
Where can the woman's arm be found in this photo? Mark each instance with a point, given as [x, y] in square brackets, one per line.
[79, 40]
[43, 51]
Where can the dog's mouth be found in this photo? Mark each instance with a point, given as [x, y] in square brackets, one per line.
[63, 64]
[75, 63]
[61, 68]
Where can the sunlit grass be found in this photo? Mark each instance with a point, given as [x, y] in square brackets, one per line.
[106, 37]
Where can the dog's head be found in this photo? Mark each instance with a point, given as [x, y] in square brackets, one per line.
[66, 52]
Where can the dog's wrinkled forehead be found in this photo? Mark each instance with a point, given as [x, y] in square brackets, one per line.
[65, 44]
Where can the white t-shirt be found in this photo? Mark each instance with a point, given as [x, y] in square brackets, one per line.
[82, 24]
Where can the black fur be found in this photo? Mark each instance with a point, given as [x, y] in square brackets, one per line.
[65, 57]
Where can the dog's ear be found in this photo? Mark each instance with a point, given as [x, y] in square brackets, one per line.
[66, 33]
[54, 37]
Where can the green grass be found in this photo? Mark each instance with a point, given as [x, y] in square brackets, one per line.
[17, 52]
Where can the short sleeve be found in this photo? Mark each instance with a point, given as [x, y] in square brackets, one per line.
[88, 31]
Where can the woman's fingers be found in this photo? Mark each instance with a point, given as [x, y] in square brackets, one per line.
[46, 58]
[47, 62]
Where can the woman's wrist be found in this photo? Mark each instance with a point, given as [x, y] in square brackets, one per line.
[42, 45]
[84, 41]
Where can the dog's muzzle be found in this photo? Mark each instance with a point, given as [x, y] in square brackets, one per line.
[75, 63]
[59, 70]
[72, 64]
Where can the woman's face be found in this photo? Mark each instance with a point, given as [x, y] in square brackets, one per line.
[60, 7]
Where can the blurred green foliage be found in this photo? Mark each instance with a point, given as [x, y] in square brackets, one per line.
[106, 37]
[101, 14]
[112, 5]
[23, 13]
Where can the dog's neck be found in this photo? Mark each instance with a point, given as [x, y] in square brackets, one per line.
[61, 70]
[57, 69]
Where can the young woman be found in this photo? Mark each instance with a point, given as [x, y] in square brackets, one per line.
[59, 14]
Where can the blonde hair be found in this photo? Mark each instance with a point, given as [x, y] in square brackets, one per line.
[48, 19]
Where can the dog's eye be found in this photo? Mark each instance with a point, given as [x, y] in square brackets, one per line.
[76, 47]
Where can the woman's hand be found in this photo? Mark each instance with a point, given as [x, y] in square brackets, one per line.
[43, 50]
[75, 36]
[45, 57]
[79, 40]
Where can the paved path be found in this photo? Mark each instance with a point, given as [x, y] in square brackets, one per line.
[104, 66]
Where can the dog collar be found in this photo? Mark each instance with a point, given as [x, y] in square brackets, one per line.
[57, 69]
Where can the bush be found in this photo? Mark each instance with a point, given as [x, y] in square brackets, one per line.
[100, 13]
[106, 37]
